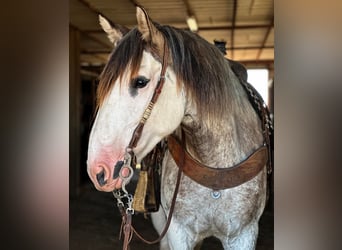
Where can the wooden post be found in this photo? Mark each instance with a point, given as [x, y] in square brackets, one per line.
[271, 88]
[74, 112]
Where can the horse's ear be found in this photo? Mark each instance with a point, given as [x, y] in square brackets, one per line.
[148, 30]
[114, 31]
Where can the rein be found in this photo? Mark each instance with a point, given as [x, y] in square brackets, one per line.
[128, 229]
[129, 160]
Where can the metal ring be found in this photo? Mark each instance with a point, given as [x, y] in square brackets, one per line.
[131, 172]
[130, 211]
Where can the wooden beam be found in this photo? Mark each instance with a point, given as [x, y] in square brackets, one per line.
[90, 52]
[236, 27]
[258, 63]
[250, 48]
[89, 73]
[91, 37]
[93, 9]
[206, 28]
[135, 3]
[233, 28]
[251, 7]
[262, 46]
[188, 9]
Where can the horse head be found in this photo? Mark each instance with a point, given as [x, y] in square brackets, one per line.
[126, 87]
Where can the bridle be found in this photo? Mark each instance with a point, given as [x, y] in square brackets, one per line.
[130, 164]
[129, 158]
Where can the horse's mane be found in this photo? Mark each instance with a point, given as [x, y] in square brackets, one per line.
[197, 63]
[128, 52]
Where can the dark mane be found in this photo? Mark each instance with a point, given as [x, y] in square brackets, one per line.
[202, 68]
[199, 64]
[127, 55]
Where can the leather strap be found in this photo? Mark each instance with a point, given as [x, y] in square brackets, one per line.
[139, 129]
[217, 178]
[128, 232]
[169, 217]
[127, 227]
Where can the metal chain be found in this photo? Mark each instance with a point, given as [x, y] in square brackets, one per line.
[119, 194]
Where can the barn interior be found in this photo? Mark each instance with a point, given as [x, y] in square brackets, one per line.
[244, 28]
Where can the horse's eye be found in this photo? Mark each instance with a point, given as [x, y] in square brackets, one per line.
[139, 82]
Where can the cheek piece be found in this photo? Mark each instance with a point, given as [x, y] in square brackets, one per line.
[125, 169]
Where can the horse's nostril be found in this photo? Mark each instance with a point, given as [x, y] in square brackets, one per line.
[100, 178]
[117, 169]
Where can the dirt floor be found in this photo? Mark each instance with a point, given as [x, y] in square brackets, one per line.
[95, 224]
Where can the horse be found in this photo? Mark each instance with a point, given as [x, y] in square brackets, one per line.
[202, 105]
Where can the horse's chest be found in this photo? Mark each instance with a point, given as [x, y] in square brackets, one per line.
[203, 211]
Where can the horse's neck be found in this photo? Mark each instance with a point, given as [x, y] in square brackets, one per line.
[230, 140]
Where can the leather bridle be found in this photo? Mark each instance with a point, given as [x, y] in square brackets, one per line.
[130, 163]
[138, 130]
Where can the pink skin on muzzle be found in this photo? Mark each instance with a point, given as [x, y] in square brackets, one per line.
[102, 167]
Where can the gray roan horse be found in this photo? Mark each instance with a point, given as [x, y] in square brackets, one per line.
[201, 105]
